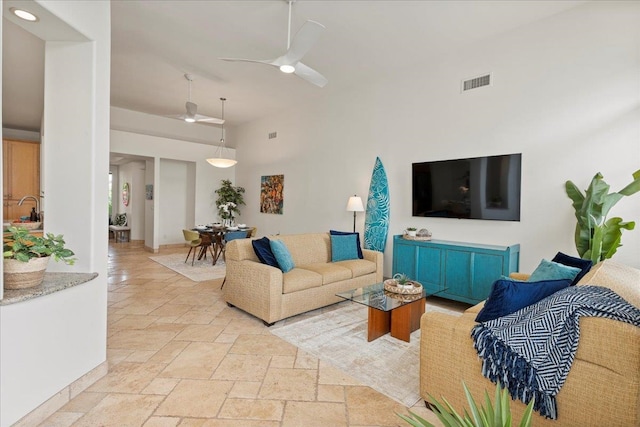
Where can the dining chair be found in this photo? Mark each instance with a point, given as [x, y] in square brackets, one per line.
[194, 241]
[252, 232]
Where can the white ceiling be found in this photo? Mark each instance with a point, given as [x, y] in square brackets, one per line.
[155, 42]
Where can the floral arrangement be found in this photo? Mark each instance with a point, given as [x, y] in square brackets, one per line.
[225, 210]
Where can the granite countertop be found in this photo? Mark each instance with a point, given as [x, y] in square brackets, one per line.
[53, 282]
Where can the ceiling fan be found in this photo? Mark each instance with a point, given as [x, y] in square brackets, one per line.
[302, 42]
[191, 115]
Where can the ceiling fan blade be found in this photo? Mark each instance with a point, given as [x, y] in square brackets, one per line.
[303, 41]
[207, 119]
[260, 61]
[310, 75]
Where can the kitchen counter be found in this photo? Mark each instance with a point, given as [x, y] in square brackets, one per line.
[53, 282]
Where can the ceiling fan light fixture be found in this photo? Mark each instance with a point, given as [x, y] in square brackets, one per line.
[189, 120]
[218, 160]
[288, 69]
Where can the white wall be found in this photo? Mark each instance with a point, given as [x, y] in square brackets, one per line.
[566, 95]
[178, 198]
[49, 342]
[206, 179]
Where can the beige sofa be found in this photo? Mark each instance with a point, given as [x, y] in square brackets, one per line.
[271, 295]
[602, 388]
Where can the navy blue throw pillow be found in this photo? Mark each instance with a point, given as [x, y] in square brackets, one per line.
[345, 233]
[583, 264]
[262, 248]
[508, 296]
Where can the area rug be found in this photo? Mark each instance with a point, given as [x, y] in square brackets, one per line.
[339, 337]
[200, 271]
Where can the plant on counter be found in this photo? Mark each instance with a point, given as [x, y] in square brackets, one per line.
[598, 238]
[21, 245]
[411, 229]
[229, 200]
[493, 415]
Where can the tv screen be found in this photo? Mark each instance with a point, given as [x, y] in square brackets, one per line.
[474, 188]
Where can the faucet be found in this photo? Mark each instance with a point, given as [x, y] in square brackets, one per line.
[35, 199]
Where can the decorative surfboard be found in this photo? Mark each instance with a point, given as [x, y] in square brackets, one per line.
[376, 222]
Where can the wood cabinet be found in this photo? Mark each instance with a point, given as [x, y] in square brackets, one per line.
[457, 270]
[21, 176]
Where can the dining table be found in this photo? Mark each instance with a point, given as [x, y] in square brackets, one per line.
[216, 234]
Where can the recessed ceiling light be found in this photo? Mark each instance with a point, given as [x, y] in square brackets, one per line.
[23, 14]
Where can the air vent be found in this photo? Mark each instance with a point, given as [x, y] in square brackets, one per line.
[476, 82]
[273, 135]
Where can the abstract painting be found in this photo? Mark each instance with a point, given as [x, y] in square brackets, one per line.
[272, 194]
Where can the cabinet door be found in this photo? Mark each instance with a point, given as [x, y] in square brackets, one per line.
[404, 260]
[458, 272]
[24, 169]
[21, 175]
[487, 268]
[429, 271]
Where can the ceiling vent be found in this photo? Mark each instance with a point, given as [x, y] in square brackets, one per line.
[273, 135]
[476, 82]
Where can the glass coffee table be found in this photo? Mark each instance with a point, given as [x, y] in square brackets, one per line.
[398, 314]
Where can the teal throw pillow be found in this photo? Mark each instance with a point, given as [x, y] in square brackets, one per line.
[549, 270]
[344, 247]
[282, 254]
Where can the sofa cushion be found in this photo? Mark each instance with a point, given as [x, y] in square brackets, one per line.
[308, 248]
[508, 296]
[262, 248]
[343, 233]
[343, 247]
[280, 251]
[358, 267]
[549, 270]
[299, 279]
[620, 278]
[583, 264]
[330, 272]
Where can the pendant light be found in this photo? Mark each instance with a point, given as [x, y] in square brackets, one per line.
[219, 160]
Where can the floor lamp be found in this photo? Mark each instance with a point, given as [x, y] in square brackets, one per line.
[355, 205]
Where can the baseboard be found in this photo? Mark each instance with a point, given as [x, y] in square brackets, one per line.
[61, 398]
[173, 245]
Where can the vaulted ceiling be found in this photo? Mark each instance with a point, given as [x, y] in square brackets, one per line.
[154, 43]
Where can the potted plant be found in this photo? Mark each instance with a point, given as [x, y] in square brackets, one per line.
[228, 201]
[26, 256]
[411, 231]
[598, 238]
[489, 416]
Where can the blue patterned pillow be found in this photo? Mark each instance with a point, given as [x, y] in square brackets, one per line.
[282, 254]
[343, 247]
[262, 248]
[508, 296]
[344, 233]
[549, 270]
[583, 264]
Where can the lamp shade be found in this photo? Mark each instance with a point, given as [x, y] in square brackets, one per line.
[220, 162]
[355, 204]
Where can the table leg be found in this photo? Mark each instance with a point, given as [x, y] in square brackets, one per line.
[406, 319]
[379, 323]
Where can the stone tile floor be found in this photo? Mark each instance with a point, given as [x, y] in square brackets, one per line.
[178, 356]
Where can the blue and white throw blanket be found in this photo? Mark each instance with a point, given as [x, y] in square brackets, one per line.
[531, 350]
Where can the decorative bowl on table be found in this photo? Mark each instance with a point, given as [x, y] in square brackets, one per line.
[410, 287]
[242, 225]
[29, 225]
[232, 228]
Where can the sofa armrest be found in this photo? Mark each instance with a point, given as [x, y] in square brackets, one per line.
[255, 288]
[376, 257]
[519, 276]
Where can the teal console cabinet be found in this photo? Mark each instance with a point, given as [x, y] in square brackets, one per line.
[457, 270]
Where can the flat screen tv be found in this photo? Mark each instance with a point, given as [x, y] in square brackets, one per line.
[475, 188]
